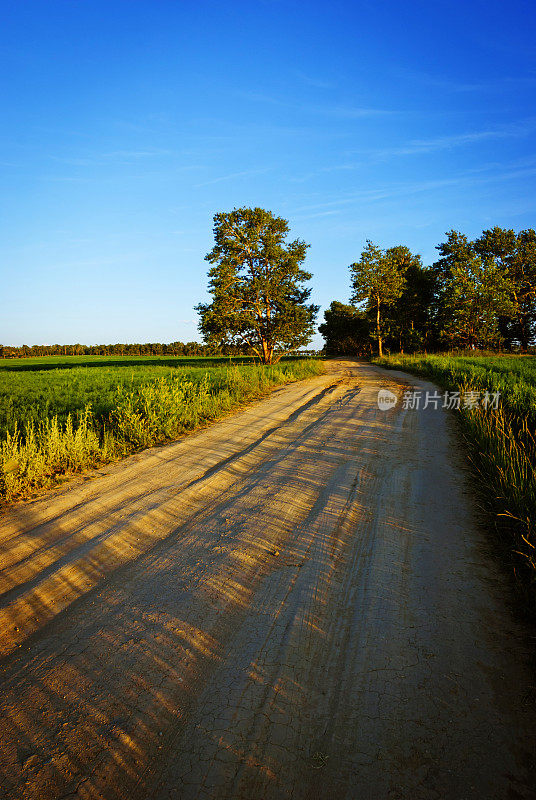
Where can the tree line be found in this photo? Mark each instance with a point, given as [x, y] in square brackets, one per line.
[478, 295]
[190, 349]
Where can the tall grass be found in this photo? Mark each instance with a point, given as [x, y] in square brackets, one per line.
[37, 452]
[502, 445]
[42, 392]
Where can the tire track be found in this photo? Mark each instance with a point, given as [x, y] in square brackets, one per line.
[307, 610]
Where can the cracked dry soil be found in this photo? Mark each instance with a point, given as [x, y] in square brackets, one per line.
[297, 602]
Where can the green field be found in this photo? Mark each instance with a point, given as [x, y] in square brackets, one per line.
[62, 415]
[502, 445]
[69, 362]
[36, 389]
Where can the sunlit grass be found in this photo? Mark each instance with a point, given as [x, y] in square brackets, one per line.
[37, 389]
[58, 424]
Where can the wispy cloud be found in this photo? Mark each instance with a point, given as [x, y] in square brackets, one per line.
[317, 83]
[499, 84]
[248, 173]
[339, 110]
[422, 146]
[345, 111]
[469, 178]
[516, 130]
[121, 156]
[135, 154]
[511, 131]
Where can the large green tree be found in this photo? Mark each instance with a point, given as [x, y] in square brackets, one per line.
[378, 281]
[410, 322]
[345, 330]
[476, 288]
[259, 296]
[477, 294]
[515, 254]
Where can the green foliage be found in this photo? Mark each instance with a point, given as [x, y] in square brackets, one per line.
[378, 276]
[46, 435]
[515, 255]
[257, 285]
[378, 280]
[345, 330]
[36, 458]
[487, 288]
[477, 293]
[456, 250]
[409, 322]
[39, 389]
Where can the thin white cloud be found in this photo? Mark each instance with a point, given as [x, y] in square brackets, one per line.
[316, 215]
[516, 130]
[339, 110]
[317, 83]
[344, 111]
[499, 84]
[422, 146]
[148, 153]
[122, 156]
[511, 131]
[244, 174]
[470, 178]
[414, 146]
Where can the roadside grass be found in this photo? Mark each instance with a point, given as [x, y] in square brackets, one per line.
[59, 422]
[502, 443]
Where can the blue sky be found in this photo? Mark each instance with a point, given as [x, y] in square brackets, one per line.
[127, 125]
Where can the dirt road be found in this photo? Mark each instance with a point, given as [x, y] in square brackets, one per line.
[296, 603]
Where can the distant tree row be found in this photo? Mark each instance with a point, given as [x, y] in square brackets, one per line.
[148, 349]
[479, 294]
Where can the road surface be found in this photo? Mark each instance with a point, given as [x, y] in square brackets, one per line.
[297, 602]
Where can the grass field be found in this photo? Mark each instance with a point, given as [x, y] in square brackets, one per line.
[36, 389]
[69, 362]
[63, 415]
[502, 441]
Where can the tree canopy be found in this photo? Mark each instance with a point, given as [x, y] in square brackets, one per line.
[487, 288]
[410, 322]
[378, 280]
[479, 294]
[515, 256]
[346, 330]
[259, 296]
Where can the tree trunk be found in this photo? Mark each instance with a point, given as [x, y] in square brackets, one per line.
[378, 330]
[523, 335]
[266, 352]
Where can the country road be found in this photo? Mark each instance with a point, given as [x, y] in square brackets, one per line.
[296, 602]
